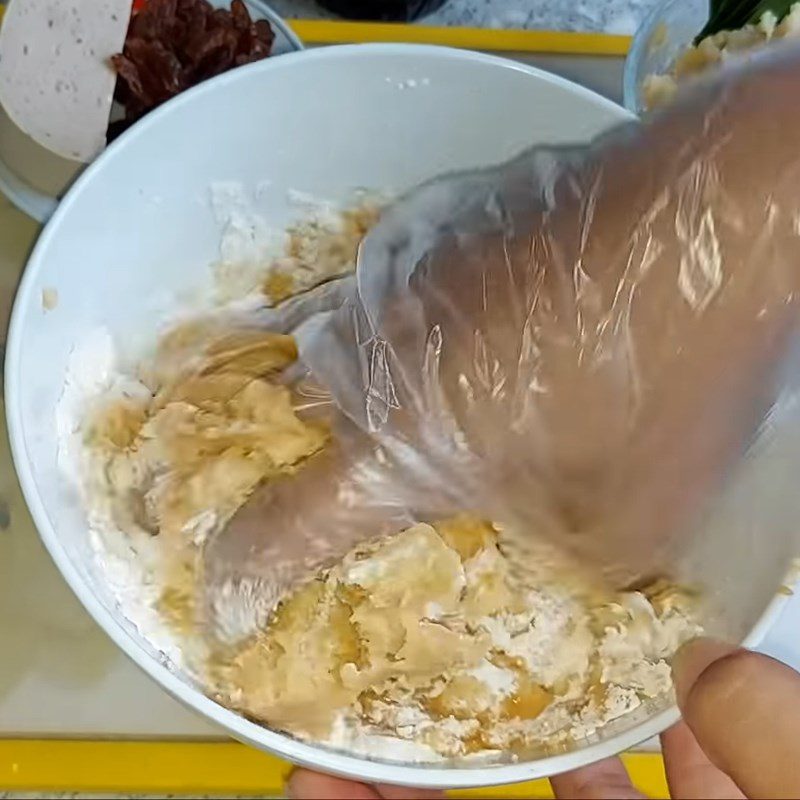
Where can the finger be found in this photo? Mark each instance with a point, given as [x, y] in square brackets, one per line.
[744, 710]
[304, 784]
[404, 793]
[605, 780]
[689, 772]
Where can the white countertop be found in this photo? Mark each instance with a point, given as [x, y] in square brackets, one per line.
[60, 674]
[599, 16]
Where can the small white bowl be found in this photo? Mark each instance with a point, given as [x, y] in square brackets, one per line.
[33, 177]
[137, 227]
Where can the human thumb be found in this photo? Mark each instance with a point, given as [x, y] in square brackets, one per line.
[744, 710]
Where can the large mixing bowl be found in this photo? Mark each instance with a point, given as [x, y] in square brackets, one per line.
[137, 228]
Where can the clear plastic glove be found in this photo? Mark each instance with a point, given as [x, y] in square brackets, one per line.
[581, 343]
[584, 342]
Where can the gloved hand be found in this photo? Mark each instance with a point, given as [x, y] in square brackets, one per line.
[580, 343]
[584, 343]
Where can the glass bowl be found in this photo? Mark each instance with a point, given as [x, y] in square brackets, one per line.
[659, 40]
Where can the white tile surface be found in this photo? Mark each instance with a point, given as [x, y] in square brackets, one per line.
[606, 16]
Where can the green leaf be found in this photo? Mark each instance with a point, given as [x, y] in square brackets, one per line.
[730, 15]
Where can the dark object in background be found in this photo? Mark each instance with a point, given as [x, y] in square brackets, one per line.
[172, 45]
[383, 10]
[731, 15]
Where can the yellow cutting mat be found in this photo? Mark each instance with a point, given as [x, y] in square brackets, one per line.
[316, 32]
[228, 768]
[215, 768]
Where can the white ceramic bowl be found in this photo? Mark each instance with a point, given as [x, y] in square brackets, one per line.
[32, 177]
[137, 226]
